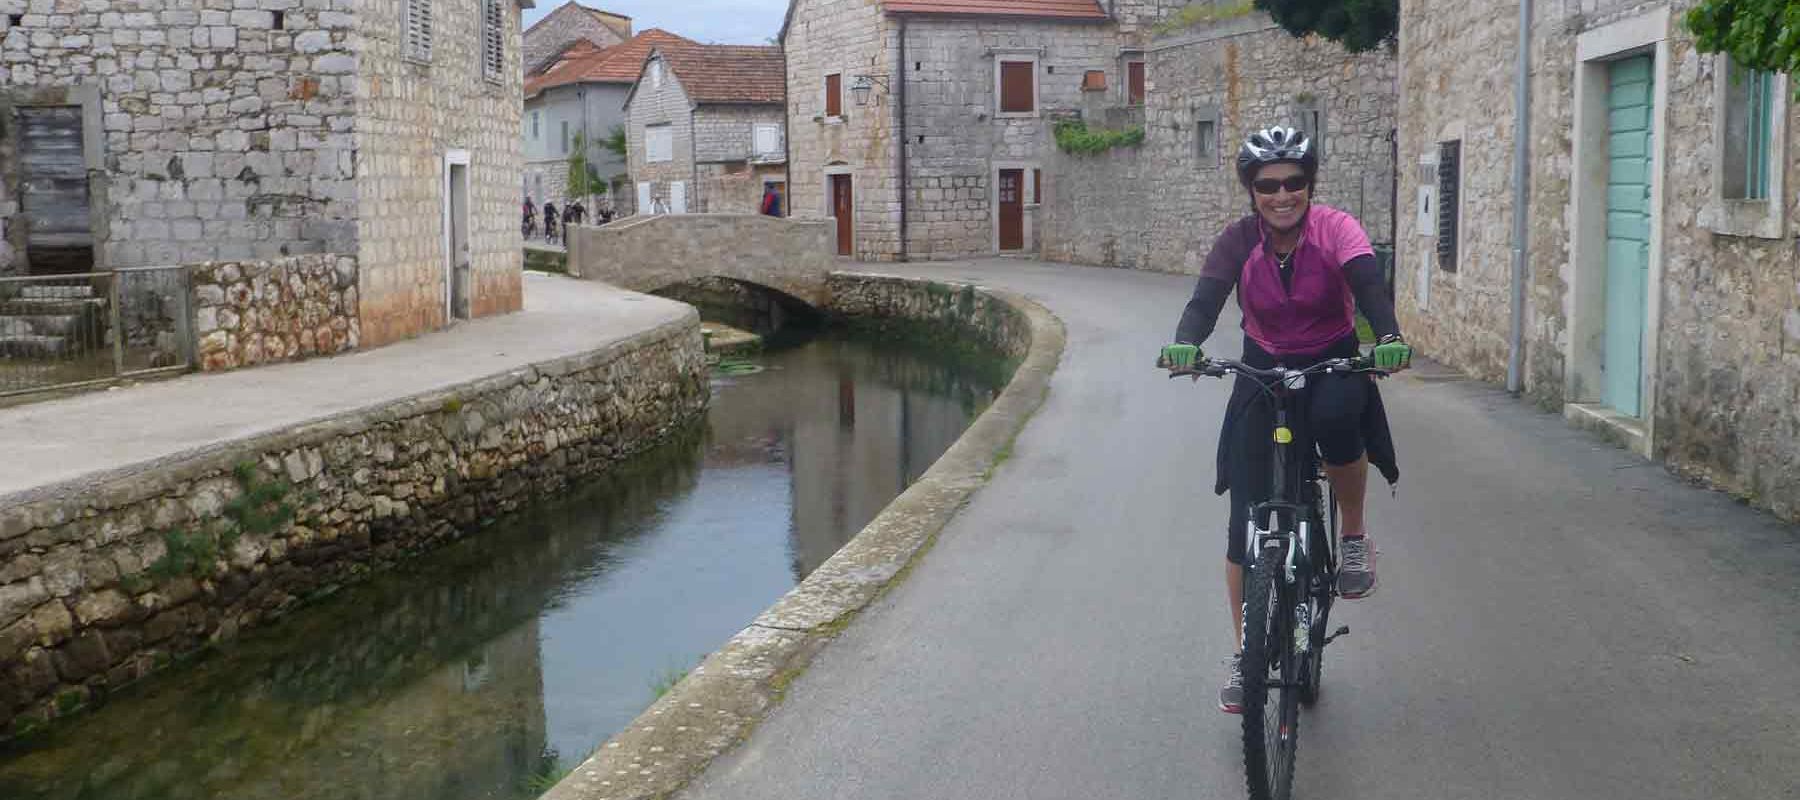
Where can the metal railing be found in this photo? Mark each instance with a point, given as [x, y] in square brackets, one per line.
[69, 331]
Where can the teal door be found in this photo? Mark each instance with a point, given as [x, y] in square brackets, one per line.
[1628, 148]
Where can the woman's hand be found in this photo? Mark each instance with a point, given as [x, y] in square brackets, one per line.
[1393, 353]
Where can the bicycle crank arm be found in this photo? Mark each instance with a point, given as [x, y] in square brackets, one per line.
[1343, 630]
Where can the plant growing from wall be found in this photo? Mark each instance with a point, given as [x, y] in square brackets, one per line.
[615, 141]
[261, 507]
[584, 176]
[1202, 12]
[1757, 34]
[1358, 25]
[1075, 137]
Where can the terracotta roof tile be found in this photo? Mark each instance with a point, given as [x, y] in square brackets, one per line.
[1055, 9]
[725, 73]
[585, 62]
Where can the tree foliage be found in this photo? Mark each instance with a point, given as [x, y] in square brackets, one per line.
[615, 140]
[584, 177]
[1358, 25]
[1759, 34]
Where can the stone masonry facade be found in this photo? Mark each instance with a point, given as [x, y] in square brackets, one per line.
[657, 103]
[712, 145]
[1159, 205]
[1722, 330]
[85, 607]
[263, 312]
[569, 24]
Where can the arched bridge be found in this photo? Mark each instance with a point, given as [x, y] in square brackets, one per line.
[649, 253]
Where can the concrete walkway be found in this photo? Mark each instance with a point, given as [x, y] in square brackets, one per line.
[63, 443]
[1557, 618]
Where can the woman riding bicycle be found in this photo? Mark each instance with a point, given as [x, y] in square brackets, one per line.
[1300, 270]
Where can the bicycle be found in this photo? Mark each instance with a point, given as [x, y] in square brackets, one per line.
[1293, 579]
[528, 228]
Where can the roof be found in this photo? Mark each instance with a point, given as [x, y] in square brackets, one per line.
[607, 18]
[1047, 9]
[585, 62]
[729, 73]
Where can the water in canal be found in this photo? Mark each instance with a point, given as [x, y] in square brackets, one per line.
[473, 672]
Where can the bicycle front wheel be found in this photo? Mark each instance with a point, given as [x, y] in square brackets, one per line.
[1272, 681]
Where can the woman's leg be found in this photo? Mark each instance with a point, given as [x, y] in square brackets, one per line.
[1335, 416]
[1349, 482]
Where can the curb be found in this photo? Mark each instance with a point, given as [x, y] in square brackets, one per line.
[720, 703]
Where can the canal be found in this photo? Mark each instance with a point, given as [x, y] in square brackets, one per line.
[487, 668]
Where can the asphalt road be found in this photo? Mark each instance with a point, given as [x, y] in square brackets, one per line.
[1556, 618]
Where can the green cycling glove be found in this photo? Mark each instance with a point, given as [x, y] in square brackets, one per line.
[1179, 356]
[1393, 353]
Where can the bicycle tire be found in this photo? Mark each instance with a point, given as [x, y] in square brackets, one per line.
[1313, 673]
[1268, 775]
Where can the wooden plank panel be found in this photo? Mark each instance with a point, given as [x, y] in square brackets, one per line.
[54, 183]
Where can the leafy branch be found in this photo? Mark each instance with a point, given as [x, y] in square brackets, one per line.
[1075, 137]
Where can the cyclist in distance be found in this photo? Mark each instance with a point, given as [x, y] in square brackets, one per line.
[1300, 270]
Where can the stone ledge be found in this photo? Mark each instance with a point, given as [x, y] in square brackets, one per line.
[720, 703]
[1626, 432]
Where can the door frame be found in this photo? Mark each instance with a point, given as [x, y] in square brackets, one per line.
[1027, 224]
[1646, 34]
[455, 158]
[827, 206]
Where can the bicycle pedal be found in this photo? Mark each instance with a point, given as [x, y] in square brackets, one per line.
[1343, 630]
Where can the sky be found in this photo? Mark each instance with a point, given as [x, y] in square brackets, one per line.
[710, 21]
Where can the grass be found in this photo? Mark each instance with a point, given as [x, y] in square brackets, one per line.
[1200, 13]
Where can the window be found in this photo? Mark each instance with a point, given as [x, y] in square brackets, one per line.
[1311, 115]
[1206, 137]
[659, 143]
[656, 74]
[1748, 133]
[535, 133]
[565, 136]
[1037, 187]
[493, 40]
[1449, 174]
[1018, 87]
[418, 30]
[1094, 80]
[1134, 83]
[768, 140]
[834, 95]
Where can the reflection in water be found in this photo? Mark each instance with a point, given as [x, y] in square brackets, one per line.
[461, 676]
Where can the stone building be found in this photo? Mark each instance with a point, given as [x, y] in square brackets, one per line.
[383, 130]
[571, 23]
[706, 129]
[926, 126]
[1662, 299]
[580, 96]
[1159, 205]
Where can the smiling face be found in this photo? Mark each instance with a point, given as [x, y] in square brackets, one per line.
[1284, 209]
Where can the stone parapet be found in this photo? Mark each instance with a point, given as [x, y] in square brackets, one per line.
[106, 580]
[261, 312]
[648, 253]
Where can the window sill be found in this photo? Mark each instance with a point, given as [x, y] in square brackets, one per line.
[832, 120]
[1016, 115]
[1759, 219]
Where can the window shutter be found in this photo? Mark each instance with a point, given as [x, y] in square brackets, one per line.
[493, 40]
[418, 30]
[1016, 95]
[1449, 180]
[1037, 187]
[834, 95]
[1135, 82]
[768, 139]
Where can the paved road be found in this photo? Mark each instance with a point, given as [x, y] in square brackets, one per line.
[1557, 619]
[45, 443]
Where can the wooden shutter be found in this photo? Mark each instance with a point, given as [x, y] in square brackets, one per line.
[1037, 187]
[55, 181]
[493, 40]
[768, 140]
[834, 95]
[1135, 82]
[1016, 90]
[1449, 180]
[418, 30]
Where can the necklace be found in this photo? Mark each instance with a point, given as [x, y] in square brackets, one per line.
[1283, 260]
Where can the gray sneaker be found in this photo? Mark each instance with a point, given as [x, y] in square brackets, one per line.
[1356, 568]
[1231, 696]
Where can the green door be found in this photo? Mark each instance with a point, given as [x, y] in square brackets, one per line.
[1628, 148]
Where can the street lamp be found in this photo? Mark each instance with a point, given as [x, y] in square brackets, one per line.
[864, 85]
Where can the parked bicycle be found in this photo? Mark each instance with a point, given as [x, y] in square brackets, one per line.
[1289, 589]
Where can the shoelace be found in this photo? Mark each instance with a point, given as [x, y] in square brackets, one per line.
[1356, 555]
[1236, 681]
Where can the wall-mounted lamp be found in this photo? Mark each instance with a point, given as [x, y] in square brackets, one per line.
[863, 85]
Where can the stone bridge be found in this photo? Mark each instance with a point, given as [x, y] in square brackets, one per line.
[648, 253]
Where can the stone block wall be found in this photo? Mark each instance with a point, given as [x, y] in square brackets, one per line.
[222, 133]
[664, 105]
[410, 116]
[84, 610]
[728, 132]
[262, 312]
[1159, 205]
[648, 253]
[735, 188]
[564, 27]
[1726, 395]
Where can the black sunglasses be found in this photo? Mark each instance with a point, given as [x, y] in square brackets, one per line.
[1270, 185]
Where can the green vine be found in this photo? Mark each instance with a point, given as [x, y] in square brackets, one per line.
[1075, 137]
[259, 509]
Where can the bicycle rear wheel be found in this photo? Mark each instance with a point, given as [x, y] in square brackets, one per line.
[1271, 682]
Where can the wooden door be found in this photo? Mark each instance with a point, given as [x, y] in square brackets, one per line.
[1629, 108]
[841, 208]
[54, 190]
[1012, 209]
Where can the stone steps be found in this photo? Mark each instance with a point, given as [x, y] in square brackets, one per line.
[34, 347]
[42, 323]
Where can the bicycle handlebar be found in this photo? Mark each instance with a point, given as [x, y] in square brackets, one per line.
[1222, 367]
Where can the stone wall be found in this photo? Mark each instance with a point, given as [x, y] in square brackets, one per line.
[93, 592]
[1159, 205]
[960, 310]
[1725, 397]
[735, 188]
[727, 132]
[564, 26]
[410, 116]
[262, 312]
[216, 134]
[661, 105]
[647, 253]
